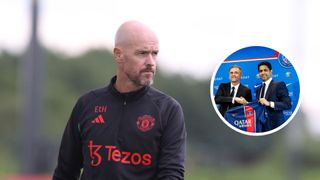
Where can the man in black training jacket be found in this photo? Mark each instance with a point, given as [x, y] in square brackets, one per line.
[127, 130]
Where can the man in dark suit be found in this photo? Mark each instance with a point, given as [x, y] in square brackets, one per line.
[274, 95]
[232, 94]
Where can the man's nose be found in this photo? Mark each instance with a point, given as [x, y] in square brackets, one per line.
[150, 60]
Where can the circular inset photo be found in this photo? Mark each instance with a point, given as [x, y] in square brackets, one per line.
[255, 91]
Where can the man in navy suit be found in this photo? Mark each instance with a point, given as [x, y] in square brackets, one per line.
[232, 94]
[274, 95]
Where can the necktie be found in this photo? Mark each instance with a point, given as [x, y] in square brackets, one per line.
[232, 92]
[231, 95]
[262, 90]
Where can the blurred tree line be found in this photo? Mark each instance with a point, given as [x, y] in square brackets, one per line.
[210, 142]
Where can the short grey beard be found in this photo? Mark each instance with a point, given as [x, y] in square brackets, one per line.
[139, 82]
[146, 82]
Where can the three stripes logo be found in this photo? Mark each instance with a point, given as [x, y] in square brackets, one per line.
[98, 120]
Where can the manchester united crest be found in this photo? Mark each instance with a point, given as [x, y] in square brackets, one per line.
[145, 123]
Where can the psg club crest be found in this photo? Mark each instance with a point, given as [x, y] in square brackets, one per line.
[284, 62]
[145, 123]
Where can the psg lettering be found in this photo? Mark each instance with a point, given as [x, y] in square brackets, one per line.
[115, 155]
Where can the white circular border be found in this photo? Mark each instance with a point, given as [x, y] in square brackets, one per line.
[249, 133]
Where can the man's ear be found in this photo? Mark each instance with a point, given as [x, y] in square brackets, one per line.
[117, 55]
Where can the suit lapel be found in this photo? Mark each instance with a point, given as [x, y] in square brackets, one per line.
[228, 89]
[259, 91]
[269, 90]
[239, 91]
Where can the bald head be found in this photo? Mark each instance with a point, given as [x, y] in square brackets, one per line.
[133, 32]
[135, 52]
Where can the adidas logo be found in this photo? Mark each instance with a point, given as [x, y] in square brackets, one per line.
[98, 120]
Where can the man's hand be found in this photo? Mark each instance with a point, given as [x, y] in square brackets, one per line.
[263, 101]
[241, 100]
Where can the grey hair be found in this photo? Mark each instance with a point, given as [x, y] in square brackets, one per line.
[235, 66]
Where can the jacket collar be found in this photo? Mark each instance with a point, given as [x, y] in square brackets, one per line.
[127, 97]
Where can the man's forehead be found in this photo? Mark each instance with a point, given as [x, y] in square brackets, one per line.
[235, 69]
[148, 47]
[263, 67]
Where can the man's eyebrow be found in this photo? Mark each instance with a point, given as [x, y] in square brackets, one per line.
[141, 50]
[146, 51]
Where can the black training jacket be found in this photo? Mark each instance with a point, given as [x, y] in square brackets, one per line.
[123, 136]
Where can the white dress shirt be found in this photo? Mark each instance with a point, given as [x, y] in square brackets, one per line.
[267, 82]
